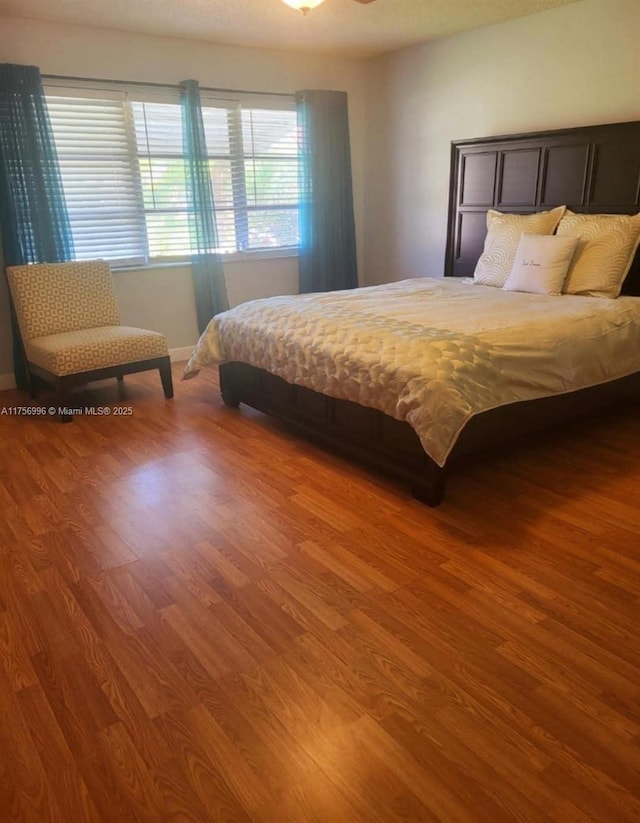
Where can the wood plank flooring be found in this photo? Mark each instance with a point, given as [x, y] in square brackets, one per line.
[206, 618]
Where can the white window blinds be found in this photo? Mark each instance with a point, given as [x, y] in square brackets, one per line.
[270, 145]
[158, 128]
[124, 175]
[99, 174]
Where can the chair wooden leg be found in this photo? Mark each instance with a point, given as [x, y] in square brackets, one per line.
[63, 400]
[166, 377]
[32, 384]
[120, 378]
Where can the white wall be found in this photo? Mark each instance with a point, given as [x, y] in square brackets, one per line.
[162, 298]
[571, 66]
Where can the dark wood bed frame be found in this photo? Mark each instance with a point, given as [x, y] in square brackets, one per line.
[592, 170]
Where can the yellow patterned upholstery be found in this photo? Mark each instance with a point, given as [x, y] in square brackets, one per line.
[88, 349]
[70, 326]
[50, 298]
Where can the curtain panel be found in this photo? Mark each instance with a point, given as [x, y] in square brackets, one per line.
[206, 265]
[33, 213]
[327, 258]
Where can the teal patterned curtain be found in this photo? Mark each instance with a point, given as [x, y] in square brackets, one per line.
[206, 265]
[327, 259]
[33, 212]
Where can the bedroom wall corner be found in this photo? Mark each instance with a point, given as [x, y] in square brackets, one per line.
[575, 65]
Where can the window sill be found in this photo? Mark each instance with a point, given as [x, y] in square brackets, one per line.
[236, 257]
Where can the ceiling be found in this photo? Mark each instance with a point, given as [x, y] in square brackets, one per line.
[337, 26]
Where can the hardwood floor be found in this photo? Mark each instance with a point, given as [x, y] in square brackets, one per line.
[203, 618]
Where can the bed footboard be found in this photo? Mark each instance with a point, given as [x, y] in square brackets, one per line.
[365, 434]
[391, 445]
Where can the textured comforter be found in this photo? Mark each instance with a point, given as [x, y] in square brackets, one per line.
[431, 352]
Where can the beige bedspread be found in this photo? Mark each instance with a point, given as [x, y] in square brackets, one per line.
[429, 351]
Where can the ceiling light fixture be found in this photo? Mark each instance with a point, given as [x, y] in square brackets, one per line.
[304, 6]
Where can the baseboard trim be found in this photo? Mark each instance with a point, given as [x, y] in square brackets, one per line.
[179, 355]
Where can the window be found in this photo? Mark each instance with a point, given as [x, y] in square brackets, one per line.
[270, 165]
[158, 140]
[124, 174]
[99, 177]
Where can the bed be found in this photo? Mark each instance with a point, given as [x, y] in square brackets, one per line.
[473, 356]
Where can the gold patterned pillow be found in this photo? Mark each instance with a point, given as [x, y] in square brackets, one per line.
[607, 244]
[503, 235]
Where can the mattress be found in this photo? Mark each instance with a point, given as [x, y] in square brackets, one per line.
[432, 352]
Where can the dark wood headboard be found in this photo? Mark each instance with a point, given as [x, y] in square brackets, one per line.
[595, 169]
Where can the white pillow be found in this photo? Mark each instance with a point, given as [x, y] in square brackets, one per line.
[607, 244]
[541, 264]
[503, 235]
